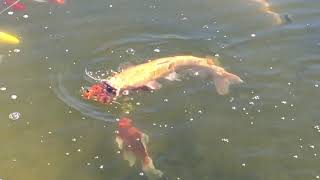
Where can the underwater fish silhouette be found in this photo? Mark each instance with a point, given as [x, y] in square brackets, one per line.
[267, 9]
[133, 145]
[144, 76]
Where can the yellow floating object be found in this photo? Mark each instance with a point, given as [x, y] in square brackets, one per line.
[8, 39]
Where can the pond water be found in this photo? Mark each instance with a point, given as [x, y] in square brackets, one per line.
[266, 128]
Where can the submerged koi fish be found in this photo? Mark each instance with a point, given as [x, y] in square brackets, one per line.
[8, 39]
[266, 8]
[15, 5]
[133, 144]
[144, 76]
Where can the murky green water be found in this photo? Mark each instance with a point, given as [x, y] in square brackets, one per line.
[265, 129]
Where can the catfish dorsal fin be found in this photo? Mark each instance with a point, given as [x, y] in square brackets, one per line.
[211, 60]
[124, 66]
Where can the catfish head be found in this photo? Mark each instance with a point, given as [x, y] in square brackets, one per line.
[101, 92]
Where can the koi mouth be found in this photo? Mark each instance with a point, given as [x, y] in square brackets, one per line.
[101, 92]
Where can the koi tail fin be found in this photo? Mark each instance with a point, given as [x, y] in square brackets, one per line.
[149, 169]
[223, 80]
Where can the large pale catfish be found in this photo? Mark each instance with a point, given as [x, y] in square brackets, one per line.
[145, 76]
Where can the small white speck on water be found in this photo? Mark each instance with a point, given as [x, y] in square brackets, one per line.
[196, 73]
[13, 96]
[253, 35]
[243, 165]
[10, 13]
[50, 68]
[69, 111]
[67, 154]
[25, 16]
[79, 150]
[311, 146]
[289, 83]
[318, 177]
[316, 85]
[49, 164]
[251, 122]
[138, 103]
[118, 152]
[283, 118]
[284, 102]
[16, 50]
[156, 50]
[74, 139]
[165, 100]
[191, 119]
[205, 27]
[154, 124]
[101, 167]
[141, 174]
[3, 88]
[49, 132]
[234, 108]
[45, 27]
[14, 116]
[295, 156]
[110, 6]
[88, 164]
[270, 67]
[130, 51]
[96, 157]
[251, 103]
[199, 111]
[225, 140]
[67, 50]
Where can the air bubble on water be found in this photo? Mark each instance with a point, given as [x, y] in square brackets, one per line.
[165, 100]
[295, 156]
[101, 167]
[191, 119]
[25, 16]
[253, 35]
[79, 150]
[205, 27]
[233, 108]
[156, 50]
[316, 85]
[225, 140]
[67, 154]
[3, 88]
[96, 157]
[14, 116]
[74, 139]
[284, 102]
[130, 51]
[16, 50]
[10, 13]
[110, 6]
[141, 174]
[243, 164]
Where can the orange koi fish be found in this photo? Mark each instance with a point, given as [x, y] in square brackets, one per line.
[266, 8]
[133, 144]
[144, 76]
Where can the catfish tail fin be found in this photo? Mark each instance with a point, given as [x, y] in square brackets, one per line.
[223, 80]
[149, 169]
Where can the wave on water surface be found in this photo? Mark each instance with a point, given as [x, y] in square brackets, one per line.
[62, 93]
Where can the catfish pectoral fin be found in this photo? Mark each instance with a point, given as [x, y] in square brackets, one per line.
[153, 85]
[173, 77]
